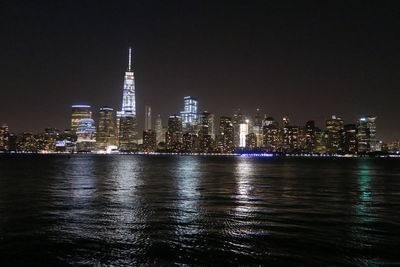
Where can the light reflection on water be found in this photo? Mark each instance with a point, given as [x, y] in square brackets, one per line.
[161, 210]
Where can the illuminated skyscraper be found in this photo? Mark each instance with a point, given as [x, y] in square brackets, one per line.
[238, 118]
[243, 132]
[106, 130]
[86, 133]
[160, 137]
[79, 112]
[173, 136]
[367, 134]
[251, 141]
[350, 144]
[207, 124]
[226, 135]
[147, 118]
[127, 121]
[334, 129]
[189, 115]
[309, 137]
[149, 141]
[4, 137]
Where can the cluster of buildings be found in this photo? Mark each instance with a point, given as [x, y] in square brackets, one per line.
[192, 131]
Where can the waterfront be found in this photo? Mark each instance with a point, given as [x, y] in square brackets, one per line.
[159, 209]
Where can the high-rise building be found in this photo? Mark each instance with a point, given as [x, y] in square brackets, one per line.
[127, 120]
[272, 138]
[290, 136]
[189, 115]
[286, 121]
[106, 136]
[86, 136]
[79, 112]
[366, 135]
[309, 132]
[190, 143]
[321, 140]
[46, 141]
[226, 136]
[350, 144]
[149, 141]
[290, 140]
[207, 124]
[173, 136]
[147, 118]
[251, 141]
[4, 137]
[26, 142]
[258, 119]
[243, 132]
[334, 129]
[237, 119]
[160, 137]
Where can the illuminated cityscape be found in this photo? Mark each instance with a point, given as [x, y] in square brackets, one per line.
[199, 133]
[192, 131]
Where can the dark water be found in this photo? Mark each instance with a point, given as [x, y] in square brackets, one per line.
[162, 210]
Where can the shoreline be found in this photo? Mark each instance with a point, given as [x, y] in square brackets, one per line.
[264, 155]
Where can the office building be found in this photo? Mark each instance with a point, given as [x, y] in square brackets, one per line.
[174, 135]
[334, 130]
[4, 137]
[350, 144]
[149, 141]
[106, 137]
[225, 140]
[86, 136]
[79, 112]
[189, 115]
[366, 134]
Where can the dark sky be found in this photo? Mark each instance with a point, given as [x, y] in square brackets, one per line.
[308, 60]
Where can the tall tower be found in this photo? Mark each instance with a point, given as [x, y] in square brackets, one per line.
[147, 118]
[127, 121]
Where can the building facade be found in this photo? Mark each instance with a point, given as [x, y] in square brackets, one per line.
[79, 112]
[106, 136]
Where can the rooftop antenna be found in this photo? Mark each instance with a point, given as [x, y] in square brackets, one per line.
[130, 59]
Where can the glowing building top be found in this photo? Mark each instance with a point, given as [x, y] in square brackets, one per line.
[128, 98]
[189, 115]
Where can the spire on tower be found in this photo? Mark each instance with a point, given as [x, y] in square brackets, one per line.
[130, 59]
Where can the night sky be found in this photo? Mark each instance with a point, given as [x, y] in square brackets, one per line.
[306, 60]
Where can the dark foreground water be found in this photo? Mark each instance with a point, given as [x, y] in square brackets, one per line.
[163, 210]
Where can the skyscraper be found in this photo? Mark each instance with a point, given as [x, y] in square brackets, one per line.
[173, 136]
[4, 137]
[149, 141]
[334, 129]
[350, 144]
[106, 129]
[86, 133]
[366, 134]
[159, 130]
[310, 137]
[189, 115]
[147, 117]
[243, 132]
[127, 121]
[79, 112]
[258, 118]
[226, 135]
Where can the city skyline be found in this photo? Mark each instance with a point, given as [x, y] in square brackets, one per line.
[246, 56]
